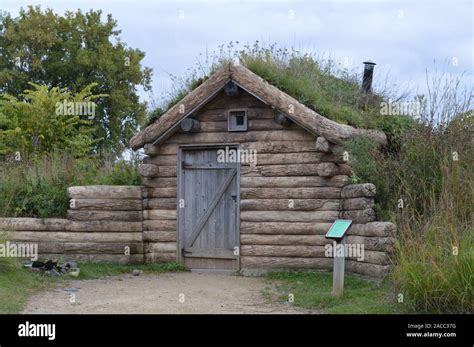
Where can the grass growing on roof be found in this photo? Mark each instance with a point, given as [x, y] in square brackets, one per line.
[315, 82]
[312, 290]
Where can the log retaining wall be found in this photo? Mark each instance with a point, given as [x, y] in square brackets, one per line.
[104, 223]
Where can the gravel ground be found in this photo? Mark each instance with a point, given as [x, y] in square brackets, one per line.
[171, 293]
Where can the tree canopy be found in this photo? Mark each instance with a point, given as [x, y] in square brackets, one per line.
[72, 51]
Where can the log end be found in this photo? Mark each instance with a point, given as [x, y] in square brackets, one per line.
[322, 145]
[367, 190]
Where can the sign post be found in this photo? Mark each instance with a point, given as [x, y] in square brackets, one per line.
[337, 232]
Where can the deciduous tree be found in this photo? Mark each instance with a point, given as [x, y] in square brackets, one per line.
[72, 51]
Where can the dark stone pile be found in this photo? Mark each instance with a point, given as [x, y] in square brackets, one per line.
[52, 267]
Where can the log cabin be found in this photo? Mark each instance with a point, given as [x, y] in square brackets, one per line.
[210, 212]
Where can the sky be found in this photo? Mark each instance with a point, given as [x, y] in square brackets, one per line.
[404, 38]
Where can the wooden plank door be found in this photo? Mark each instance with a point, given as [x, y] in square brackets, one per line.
[208, 223]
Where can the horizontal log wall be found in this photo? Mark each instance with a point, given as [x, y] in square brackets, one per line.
[357, 202]
[159, 224]
[104, 224]
[288, 200]
[277, 238]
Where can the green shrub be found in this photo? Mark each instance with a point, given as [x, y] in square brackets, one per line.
[38, 188]
[37, 122]
[119, 173]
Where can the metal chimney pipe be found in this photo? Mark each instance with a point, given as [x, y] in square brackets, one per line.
[368, 75]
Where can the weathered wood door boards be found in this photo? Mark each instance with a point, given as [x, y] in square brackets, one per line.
[208, 222]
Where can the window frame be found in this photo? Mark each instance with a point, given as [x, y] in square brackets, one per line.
[236, 127]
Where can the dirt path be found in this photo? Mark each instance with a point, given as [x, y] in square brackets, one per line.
[202, 293]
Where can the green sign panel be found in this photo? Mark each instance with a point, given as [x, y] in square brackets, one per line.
[338, 229]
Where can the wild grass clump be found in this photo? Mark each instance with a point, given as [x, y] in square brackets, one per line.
[434, 250]
[38, 187]
[434, 270]
[426, 187]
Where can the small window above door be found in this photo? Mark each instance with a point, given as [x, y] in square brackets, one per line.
[237, 120]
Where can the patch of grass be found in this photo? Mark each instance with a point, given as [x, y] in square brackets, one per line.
[312, 290]
[99, 270]
[17, 284]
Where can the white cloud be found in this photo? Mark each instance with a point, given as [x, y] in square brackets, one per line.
[403, 37]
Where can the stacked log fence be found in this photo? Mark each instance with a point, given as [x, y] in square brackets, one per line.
[104, 224]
